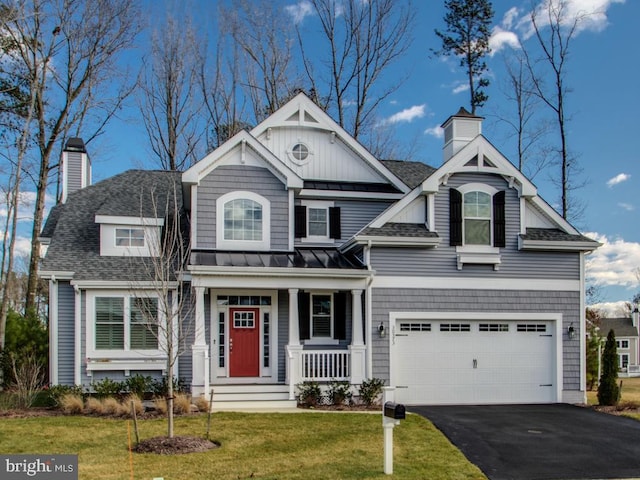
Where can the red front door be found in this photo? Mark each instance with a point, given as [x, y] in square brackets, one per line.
[244, 342]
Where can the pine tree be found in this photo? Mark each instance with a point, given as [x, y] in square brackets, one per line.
[467, 38]
[608, 390]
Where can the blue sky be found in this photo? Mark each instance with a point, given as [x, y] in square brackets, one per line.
[603, 104]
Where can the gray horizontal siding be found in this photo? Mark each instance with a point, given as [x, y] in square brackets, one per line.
[494, 301]
[355, 214]
[229, 178]
[66, 329]
[442, 261]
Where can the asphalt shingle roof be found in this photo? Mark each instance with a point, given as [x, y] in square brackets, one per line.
[622, 327]
[553, 235]
[75, 246]
[400, 230]
[411, 173]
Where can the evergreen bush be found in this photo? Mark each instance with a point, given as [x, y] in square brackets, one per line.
[608, 390]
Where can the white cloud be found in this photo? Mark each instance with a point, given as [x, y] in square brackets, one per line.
[407, 115]
[621, 177]
[437, 131]
[588, 15]
[460, 87]
[502, 38]
[613, 264]
[26, 206]
[299, 11]
[627, 206]
[510, 17]
[611, 309]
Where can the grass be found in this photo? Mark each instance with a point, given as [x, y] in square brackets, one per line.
[630, 391]
[263, 446]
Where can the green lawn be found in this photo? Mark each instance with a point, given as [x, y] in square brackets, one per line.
[260, 445]
[630, 391]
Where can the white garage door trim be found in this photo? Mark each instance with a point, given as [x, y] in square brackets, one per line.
[555, 318]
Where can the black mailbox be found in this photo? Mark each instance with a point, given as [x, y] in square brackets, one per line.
[394, 410]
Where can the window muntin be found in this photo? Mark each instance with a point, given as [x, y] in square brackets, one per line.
[109, 323]
[477, 218]
[144, 324]
[300, 151]
[318, 224]
[622, 344]
[244, 319]
[243, 220]
[321, 316]
[129, 237]
[623, 360]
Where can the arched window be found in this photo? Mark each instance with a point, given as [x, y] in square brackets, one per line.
[243, 220]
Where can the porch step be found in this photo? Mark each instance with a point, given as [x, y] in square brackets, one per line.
[247, 397]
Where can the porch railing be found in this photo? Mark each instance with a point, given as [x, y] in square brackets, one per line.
[324, 365]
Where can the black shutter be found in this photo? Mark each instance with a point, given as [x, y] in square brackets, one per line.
[340, 316]
[499, 224]
[455, 217]
[300, 221]
[334, 222]
[303, 315]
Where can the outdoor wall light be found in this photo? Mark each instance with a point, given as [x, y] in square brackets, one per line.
[381, 330]
[571, 332]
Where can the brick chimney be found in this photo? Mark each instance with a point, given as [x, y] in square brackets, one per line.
[459, 130]
[75, 167]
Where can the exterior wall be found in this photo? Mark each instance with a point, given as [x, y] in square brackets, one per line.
[230, 178]
[66, 328]
[355, 214]
[498, 301]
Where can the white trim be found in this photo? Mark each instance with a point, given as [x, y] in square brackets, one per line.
[317, 205]
[119, 284]
[477, 187]
[388, 241]
[394, 209]
[556, 318]
[57, 274]
[476, 283]
[333, 194]
[125, 220]
[562, 246]
[279, 283]
[77, 337]
[431, 212]
[265, 204]
[194, 216]
[583, 329]
[292, 220]
[53, 331]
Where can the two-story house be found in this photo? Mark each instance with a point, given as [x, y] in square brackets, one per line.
[313, 260]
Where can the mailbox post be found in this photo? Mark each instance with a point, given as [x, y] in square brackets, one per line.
[392, 413]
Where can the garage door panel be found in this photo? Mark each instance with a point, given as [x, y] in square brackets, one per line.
[514, 363]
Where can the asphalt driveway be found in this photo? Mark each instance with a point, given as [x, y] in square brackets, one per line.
[541, 441]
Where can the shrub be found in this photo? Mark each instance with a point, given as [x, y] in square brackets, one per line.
[138, 385]
[93, 406]
[608, 391]
[202, 403]
[137, 404]
[181, 404]
[107, 387]
[160, 387]
[370, 390]
[160, 405]
[71, 404]
[55, 393]
[309, 393]
[340, 392]
[111, 406]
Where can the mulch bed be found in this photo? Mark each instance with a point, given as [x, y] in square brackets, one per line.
[175, 446]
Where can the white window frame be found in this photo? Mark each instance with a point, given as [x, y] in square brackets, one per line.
[330, 340]
[317, 205]
[483, 188]
[623, 344]
[102, 356]
[264, 243]
[129, 237]
[621, 361]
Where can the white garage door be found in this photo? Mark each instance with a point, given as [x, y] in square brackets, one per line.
[474, 362]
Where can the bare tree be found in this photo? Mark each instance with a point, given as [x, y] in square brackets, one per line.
[163, 304]
[170, 102]
[364, 40]
[265, 38]
[71, 47]
[554, 31]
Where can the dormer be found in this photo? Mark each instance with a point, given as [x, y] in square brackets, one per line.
[459, 130]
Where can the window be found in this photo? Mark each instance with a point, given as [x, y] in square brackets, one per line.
[477, 218]
[109, 323]
[531, 327]
[415, 327]
[144, 324]
[493, 327]
[129, 237]
[623, 360]
[622, 344]
[321, 314]
[243, 221]
[300, 152]
[243, 320]
[455, 327]
[317, 221]
[125, 323]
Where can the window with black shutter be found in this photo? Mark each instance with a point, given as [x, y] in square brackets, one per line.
[499, 222]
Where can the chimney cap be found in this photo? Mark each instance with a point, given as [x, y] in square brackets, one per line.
[75, 144]
[462, 113]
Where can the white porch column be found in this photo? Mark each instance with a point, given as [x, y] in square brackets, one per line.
[200, 350]
[357, 347]
[294, 349]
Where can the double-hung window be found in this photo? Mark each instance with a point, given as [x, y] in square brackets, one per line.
[317, 221]
[321, 315]
[477, 218]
